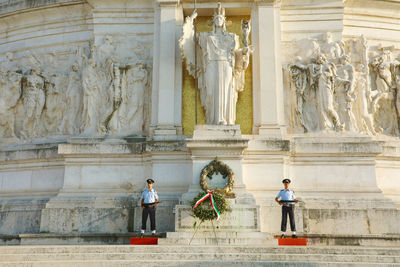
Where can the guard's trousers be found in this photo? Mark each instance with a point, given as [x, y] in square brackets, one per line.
[149, 209]
[288, 210]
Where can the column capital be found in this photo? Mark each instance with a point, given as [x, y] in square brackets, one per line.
[167, 2]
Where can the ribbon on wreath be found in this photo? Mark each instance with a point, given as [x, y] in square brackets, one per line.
[208, 195]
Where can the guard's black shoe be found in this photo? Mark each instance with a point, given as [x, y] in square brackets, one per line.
[282, 236]
[294, 236]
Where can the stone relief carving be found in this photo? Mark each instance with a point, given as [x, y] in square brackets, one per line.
[10, 82]
[220, 65]
[128, 119]
[90, 90]
[73, 102]
[343, 86]
[33, 97]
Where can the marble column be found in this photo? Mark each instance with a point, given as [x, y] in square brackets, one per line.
[167, 70]
[267, 69]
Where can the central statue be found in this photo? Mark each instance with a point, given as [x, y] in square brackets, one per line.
[216, 61]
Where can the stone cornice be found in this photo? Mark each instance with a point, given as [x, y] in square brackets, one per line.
[18, 5]
[381, 4]
[167, 2]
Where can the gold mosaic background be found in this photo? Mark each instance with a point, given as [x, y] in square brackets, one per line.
[244, 107]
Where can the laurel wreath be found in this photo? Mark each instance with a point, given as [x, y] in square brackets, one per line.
[204, 211]
[216, 167]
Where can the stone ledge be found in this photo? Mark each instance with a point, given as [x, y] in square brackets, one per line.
[100, 148]
[17, 5]
[352, 146]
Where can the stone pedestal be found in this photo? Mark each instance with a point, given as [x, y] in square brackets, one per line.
[224, 142]
[241, 218]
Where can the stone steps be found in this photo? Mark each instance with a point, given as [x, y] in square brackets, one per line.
[152, 263]
[223, 238]
[163, 255]
[199, 257]
[204, 249]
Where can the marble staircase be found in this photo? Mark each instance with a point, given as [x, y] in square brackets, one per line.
[169, 255]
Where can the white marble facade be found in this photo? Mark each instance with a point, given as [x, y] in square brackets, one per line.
[91, 106]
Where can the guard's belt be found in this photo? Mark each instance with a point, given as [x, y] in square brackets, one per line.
[148, 205]
[287, 201]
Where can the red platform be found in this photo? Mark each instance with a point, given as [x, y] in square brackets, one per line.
[292, 241]
[144, 241]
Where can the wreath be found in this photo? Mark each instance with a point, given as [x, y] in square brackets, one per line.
[209, 205]
[216, 167]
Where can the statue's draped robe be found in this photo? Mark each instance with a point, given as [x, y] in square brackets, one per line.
[218, 78]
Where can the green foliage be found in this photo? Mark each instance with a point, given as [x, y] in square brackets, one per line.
[204, 211]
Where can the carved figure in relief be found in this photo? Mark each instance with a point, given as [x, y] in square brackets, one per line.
[382, 67]
[129, 117]
[397, 81]
[91, 99]
[33, 97]
[363, 101]
[100, 82]
[396, 74]
[10, 92]
[384, 102]
[73, 101]
[331, 49]
[55, 103]
[106, 50]
[299, 76]
[367, 99]
[110, 81]
[324, 75]
[345, 93]
[218, 58]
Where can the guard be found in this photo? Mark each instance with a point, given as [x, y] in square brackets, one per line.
[149, 202]
[287, 200]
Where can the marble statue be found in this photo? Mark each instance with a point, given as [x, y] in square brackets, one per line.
[220, 66]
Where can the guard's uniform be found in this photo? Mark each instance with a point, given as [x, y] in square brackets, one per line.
[149, 202]
[287, 208]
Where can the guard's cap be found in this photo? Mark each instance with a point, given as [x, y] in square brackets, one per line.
[150, 181]
[286, 181]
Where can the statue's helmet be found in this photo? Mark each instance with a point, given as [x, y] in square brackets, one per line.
[219, 16]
